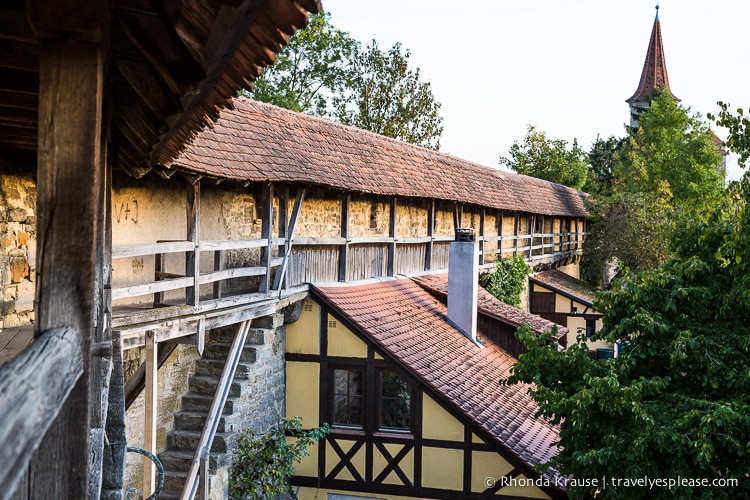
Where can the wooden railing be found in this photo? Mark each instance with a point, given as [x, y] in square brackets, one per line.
[33, 388]
[322, 259]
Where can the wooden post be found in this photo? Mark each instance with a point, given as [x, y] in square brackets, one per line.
[392, 235]
[344, 249]
[70, 186]
[291, 226]
[499, 234]
[283, 229]
[149, 419]
[192, 260]
[267, 233]
[218, 266]
[481, 236]
[431, 234]
[532, 223]
[516, 223]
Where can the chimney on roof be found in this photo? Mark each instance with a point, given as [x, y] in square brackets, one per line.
[463, 279]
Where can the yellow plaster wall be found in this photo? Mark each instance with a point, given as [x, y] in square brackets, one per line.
[322, 494]
[438, 423]
[342, 342]
[302, 389]
[308, 466]
[562, 304]
[411, 221]
[442, 468]
[302, 336]
[369, 217]
[484, 465]
[573, 270]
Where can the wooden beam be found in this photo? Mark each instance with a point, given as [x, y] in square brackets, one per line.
[516, 223]
[149, 88]
[15, 26]
[344, 248]
[70, 183]
[481, 235]
[137, 381]
[267, 234]
[430, 234]
[392, 234]
[291, 227]
[192, 260]
[35, 386]
[150, 413]
[17, 55]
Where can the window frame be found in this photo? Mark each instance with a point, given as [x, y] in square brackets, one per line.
[378, 416]
[332, 397]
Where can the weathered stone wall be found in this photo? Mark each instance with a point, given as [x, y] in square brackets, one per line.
[17, 250]
[369, 217]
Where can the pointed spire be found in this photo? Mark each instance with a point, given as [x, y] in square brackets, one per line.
[654, 77]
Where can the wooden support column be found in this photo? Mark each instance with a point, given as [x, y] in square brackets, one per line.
[288, 235]
[70, 247]
[516, 223]
[392, 235]
[532, 223]
[344, 249]
[267, 234]
[283, 229]
[499, 234]
[431, 234]
[192, 260]
[149, 418]
[481, 236]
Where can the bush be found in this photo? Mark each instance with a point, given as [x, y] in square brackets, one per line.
[506, 282]
[264, 466]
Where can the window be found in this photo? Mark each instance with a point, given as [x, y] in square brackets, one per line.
[395, 402]
[347, 397]
[590, 327]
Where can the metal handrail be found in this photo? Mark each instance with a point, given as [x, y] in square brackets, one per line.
[159, 472]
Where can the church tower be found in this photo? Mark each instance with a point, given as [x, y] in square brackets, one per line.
[654, 77]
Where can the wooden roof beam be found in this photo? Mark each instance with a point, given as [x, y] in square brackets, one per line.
[14, 26]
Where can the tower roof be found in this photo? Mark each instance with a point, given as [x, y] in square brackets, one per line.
[654, 77]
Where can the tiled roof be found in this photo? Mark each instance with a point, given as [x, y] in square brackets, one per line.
[567, 285]
[488, 304]
[654, 76]
[411, 325]
[261, 142]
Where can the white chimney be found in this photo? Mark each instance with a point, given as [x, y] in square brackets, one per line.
[463, 279]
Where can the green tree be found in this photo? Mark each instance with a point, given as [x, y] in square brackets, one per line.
[676, 402]
[263, 466]
[673, 153]
[312, 68]
[385, 95]
[548, 159]
[739, 130]
[506, 282]
[604, 156]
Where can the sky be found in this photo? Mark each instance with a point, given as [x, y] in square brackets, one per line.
[565, 66]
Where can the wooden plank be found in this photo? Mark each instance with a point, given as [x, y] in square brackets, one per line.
[33, 388]
[235, 272]
[344, 248]
[150, 414]
[215, 245]
[124, 251]
[137, 381]
[218, 266]
[70, 245]
[148, 288]
[192, 258]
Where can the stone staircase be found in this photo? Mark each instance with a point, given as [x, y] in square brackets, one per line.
[189, 422]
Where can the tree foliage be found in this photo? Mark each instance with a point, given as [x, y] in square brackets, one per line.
[312, 68]
[665, 171]
[548, 159]
[676, 402]
[384, 95]
[323, 71]
[263, 466]
[739, 130]
[507, 281]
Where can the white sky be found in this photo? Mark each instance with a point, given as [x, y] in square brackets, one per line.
[565, 66]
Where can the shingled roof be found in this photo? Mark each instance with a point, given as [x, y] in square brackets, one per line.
[437, 284]
[260, 142]
[411, 326]
[654, 75]
[566, 285]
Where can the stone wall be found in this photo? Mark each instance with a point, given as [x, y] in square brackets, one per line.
[17, 250]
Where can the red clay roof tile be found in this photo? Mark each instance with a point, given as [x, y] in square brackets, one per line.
[260, 142]
[567, 285]
[445, 360]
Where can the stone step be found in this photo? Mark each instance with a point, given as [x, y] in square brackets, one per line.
[204, 384]
[215, 367]
[220, 350]
[202, 402]
[255, 336]
[195, 420]
[174, 482]
[188, 441]
[181, 460]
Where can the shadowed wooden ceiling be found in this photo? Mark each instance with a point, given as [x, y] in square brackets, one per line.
[171, 65]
